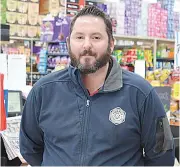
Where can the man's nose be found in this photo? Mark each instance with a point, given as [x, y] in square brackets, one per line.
[87, 44]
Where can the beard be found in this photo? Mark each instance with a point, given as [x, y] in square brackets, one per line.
[86, 67]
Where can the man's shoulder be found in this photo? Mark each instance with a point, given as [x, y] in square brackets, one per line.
[136, 81]
[58, 76]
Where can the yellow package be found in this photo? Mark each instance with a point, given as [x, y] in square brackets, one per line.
[176, 91]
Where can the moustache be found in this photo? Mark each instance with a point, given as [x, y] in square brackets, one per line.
[87, 52]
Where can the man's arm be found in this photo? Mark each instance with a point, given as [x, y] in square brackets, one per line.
[156, 137]
[31, 136]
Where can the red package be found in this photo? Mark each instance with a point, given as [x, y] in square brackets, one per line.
[2, 105]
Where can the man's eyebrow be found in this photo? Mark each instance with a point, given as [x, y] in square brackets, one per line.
[79, 33]
[96, 33]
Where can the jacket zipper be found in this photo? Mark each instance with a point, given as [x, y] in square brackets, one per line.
[87, 103]
[84, 135]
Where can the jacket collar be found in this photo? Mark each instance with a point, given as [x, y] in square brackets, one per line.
[113, 82]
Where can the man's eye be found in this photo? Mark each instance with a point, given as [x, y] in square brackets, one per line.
[96, 38]
[80, 37]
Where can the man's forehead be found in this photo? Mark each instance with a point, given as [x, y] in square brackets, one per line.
[89, 20]
[89, 23]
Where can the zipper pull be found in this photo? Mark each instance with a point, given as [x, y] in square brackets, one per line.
[87, 103]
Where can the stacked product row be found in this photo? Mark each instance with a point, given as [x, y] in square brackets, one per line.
[157, 21]
[168, 5]
[139, 17]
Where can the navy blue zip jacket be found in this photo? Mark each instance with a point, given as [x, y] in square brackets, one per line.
[123, 124]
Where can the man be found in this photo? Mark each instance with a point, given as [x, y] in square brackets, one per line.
[94, 113]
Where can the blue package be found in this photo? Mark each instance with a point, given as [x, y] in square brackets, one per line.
[6, 100]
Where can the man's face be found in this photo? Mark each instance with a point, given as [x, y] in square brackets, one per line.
[89, 45]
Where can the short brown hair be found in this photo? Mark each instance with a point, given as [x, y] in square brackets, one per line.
[94, 11]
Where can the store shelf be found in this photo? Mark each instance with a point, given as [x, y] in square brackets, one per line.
[4, 42]
[58, 54]
[32, 73]
[132, 38]
[165, 40]
[24, 38]
[35, 73]
[123, 47]
[165, 59]
[141, 38]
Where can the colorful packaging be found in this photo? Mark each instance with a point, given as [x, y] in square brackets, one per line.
[47, 29]
[140, 54]
[61, 28]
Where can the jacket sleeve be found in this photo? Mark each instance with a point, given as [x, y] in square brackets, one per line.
[31, 136]
[156, 136]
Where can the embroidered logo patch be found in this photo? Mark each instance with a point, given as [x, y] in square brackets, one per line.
[117, 116]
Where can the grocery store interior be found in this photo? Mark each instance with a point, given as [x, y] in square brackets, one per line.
[33, 44]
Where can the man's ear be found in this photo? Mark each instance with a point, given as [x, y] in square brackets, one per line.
[112, 44]
[68, 43]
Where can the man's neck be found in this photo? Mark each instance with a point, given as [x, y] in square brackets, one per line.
[95, 80]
